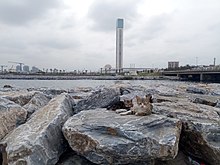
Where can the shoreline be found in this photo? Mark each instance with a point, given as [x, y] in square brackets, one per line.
[84, 77]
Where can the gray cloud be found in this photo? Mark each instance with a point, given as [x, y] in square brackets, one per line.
[22, 11]
[104, 13]
[73, 36]
[154, 27]
[57, 43]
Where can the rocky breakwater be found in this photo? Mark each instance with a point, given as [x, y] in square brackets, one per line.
[105, 137]
[182, 129]
[39, 140]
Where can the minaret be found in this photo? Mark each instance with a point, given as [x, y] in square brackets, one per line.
[119, 45]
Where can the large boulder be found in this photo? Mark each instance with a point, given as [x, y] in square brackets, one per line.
[37, 101]
[200, 135]
[21, 97]
[104, 137]
[99, 98]
[39, 140]
[11, 115]
[197, 90]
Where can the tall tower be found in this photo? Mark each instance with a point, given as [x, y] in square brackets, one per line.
[119, 45]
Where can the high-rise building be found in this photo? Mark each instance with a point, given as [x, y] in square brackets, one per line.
[119, 45]
[173, 64]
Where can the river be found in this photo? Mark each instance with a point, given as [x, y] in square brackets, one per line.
[69, 84]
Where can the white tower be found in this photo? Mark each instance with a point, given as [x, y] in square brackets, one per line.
[119, 45]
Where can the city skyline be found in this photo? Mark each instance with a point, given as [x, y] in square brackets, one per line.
[81, 34]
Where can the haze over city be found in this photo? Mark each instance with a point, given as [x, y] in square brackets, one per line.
[81, 34]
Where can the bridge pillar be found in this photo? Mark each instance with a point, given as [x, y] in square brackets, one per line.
[201, 77]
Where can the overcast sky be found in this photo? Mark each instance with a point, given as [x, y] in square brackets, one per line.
[80, 34]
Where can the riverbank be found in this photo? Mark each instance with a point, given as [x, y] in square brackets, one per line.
[81, 77]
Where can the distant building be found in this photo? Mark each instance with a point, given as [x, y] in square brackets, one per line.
[173, 64]
[119, 44]
[18, 68]
[35, 69]
[26, 68]
[107, 68]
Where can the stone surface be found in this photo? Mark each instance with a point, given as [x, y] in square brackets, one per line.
[180, 159]
[99, 98]
[71, 158]
[53, 92]
[37, 101]
[105, 137]
[11, 115]
[203, 99]
[200, 135]
[197, 90]
[21, 97]
[39, 140]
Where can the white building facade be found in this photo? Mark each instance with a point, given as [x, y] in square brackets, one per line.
[119, 45]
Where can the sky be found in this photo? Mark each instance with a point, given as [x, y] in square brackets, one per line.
[80, 34]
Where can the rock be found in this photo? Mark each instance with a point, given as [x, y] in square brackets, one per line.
[39, 140]
[204, 101]
[100, 98]
[71, 158]
[197, 90]
[21, 97]
[180, 159]
[200, 135]
[53, 92]
[215, 92]
[104, 137]
[7, 86]
[160, 99]
[202, 140]
[37, 101]
[217, 104]
[80, 93]
[11, 115]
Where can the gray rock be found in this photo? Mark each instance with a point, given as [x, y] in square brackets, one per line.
[204, 101]
[104, 137]
[37, 101]
[217, 104]
[53, 92]
[200, 135]
[21, 97]
[11, 115]
[216, 92]
[39, 140]
[180, 159]
[197, 90]
[100, 98]
[202, 140]
[71, 158]
[7, 86]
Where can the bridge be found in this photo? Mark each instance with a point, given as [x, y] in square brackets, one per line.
[195, 75]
